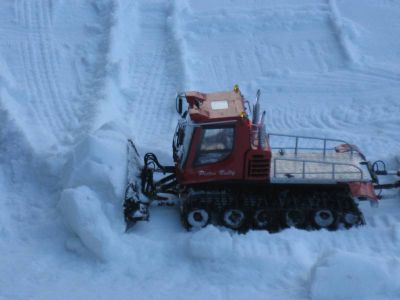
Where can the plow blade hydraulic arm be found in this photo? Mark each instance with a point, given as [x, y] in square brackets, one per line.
[142, 188]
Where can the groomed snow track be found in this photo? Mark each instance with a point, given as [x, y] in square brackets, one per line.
[77, 79]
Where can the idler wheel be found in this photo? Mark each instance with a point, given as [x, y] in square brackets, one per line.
[198, 218]
[324, 218]
[233, 218]
[350, 218]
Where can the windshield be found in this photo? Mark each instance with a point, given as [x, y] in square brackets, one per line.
[216, 145]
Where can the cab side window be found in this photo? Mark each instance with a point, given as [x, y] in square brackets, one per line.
[216, 144]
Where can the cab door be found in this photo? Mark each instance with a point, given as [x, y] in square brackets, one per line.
[211, 156]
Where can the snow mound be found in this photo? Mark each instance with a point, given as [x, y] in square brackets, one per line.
[82, 210]
[91, 203]
[344, 275]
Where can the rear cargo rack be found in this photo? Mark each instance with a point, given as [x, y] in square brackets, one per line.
[306, 159]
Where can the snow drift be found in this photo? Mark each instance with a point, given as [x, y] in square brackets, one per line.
[95, 177]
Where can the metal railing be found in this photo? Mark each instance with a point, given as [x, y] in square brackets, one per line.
[333, 173]
[324, 148]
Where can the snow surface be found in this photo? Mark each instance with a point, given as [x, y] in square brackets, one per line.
[77, 78]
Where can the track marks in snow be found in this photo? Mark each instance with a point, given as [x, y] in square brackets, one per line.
[255, 44]
[61, 79]
[345, 117]
[156, 74]
[152, 90]
[39, 59]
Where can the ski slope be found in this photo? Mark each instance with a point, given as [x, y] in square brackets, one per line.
[77, 78]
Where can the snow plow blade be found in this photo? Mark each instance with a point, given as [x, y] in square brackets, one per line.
[135, 203]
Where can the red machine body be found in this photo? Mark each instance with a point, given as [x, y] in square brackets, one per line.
[228, 171]
[244, 157]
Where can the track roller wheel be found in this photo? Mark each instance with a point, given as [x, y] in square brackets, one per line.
[233, 218]
[295, 218]
[351, 219]
[262, 219]
[197, 218]
[323, 218]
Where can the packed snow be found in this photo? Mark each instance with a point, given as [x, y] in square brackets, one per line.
[78, 78]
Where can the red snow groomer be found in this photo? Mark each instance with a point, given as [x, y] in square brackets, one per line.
[228, 170]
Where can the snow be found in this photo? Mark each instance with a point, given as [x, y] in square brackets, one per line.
[77, 78]
[367, 278]
[83, 213]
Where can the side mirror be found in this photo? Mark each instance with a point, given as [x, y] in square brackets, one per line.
[179, 104]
